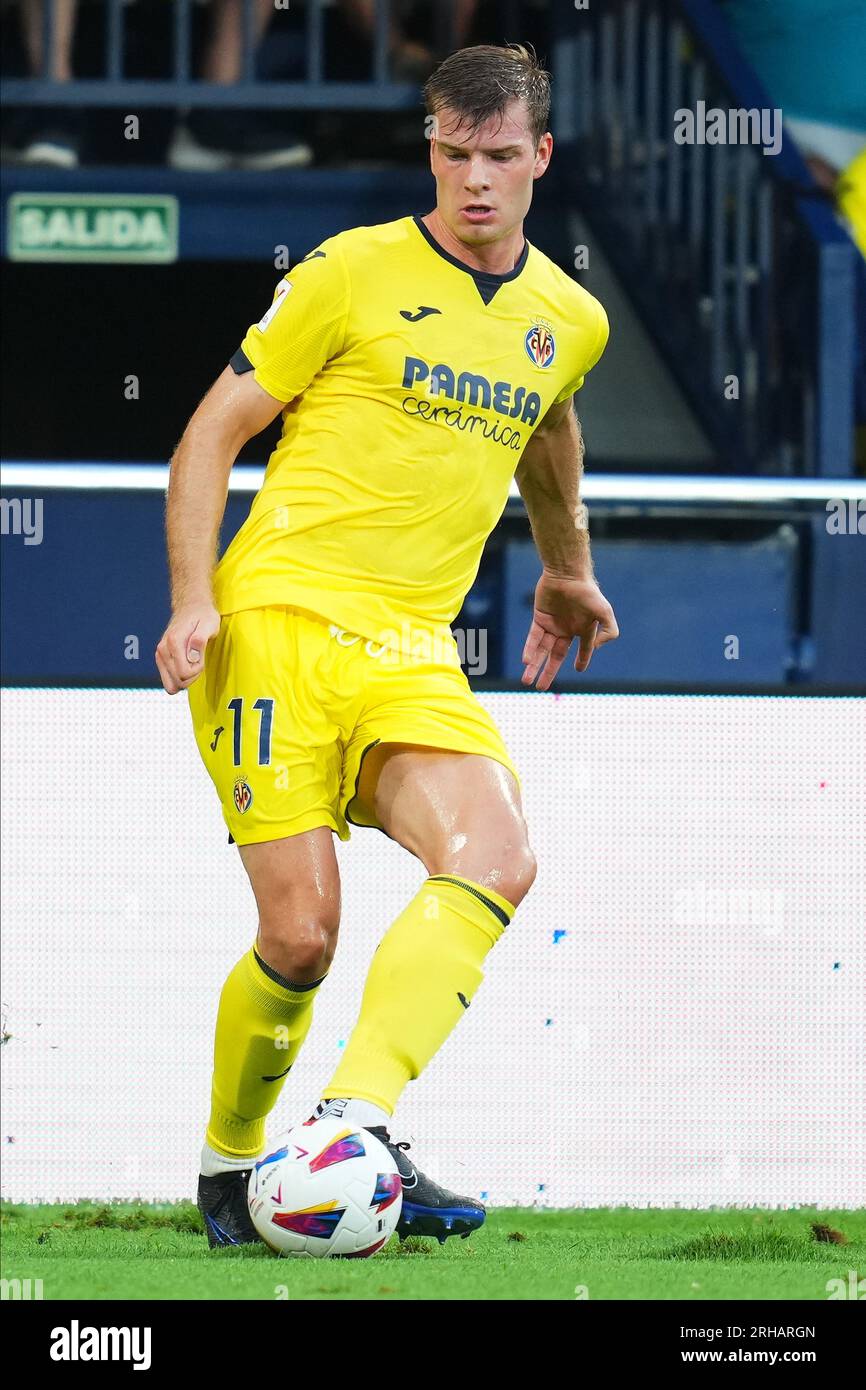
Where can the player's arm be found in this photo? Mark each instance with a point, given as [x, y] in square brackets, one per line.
[234, 409]
[549, 476]
[302, 329]
[568, 602]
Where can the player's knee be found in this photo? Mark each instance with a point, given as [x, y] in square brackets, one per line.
[511, 869]
[300, 946]
[517, 874]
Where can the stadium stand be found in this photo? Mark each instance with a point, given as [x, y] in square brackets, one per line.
[734, 286]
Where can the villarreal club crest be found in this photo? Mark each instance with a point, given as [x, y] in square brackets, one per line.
[540, 344]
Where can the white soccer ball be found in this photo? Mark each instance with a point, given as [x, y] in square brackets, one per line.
[327, 1188]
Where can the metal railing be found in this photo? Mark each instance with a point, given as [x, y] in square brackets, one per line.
[313, 92]
[629, 493]
[739, 267]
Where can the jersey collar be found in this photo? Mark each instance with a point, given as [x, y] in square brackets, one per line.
[485, 281]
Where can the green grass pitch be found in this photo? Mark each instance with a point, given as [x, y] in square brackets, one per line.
[134, 1251]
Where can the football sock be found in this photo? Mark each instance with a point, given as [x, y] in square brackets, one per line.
[422, 979]
[261, 1023]
[357, 1112]
[212, 1162]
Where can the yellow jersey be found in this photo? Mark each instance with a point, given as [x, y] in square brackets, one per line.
[413, 383]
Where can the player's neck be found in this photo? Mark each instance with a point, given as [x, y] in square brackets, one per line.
[497, 259]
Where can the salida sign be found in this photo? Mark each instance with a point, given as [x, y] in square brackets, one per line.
[96, 227]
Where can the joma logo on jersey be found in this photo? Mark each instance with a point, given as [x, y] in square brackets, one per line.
[514, 402]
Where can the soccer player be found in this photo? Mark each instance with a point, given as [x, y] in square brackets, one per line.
[418, 365]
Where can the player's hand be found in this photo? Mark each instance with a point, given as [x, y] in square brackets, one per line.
[180, 653]
[565, 609]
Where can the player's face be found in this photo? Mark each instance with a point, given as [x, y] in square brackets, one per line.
[484, 178]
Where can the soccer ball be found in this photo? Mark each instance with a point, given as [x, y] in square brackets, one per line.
[327, 1188]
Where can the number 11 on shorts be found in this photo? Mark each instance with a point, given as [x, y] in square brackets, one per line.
[266, 721]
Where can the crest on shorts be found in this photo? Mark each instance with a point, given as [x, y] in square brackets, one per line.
[540, 344]
[243, 795]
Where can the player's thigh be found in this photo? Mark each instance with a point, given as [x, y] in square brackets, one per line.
[266, 728]
[296, 883]
[457, 812]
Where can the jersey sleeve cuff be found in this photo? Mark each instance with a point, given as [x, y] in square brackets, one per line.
[239, 362]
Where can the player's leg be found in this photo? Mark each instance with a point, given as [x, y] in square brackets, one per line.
[457, 812]
[268, 745]
[266, 1005]
[461, 815]
[264, 1015]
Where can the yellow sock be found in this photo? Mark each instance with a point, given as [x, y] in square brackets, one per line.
[261, 1023]
[422, 979]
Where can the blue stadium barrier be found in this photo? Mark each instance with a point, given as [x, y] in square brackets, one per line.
[689, 612]
[92, 576]
[226, 216]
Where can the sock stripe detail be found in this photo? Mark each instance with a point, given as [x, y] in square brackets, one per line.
[279, 979]
[499, 913]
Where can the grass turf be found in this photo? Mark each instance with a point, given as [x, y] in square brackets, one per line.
[127, 1251]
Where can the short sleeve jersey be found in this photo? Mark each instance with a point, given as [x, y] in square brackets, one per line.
[412, 384]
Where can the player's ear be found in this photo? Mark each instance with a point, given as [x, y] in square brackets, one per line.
[543, 154]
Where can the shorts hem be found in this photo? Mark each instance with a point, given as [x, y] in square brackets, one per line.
[284, 830]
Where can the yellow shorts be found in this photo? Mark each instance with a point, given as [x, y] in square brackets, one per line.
[289, 704]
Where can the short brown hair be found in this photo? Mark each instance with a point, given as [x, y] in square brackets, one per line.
[479, 83]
